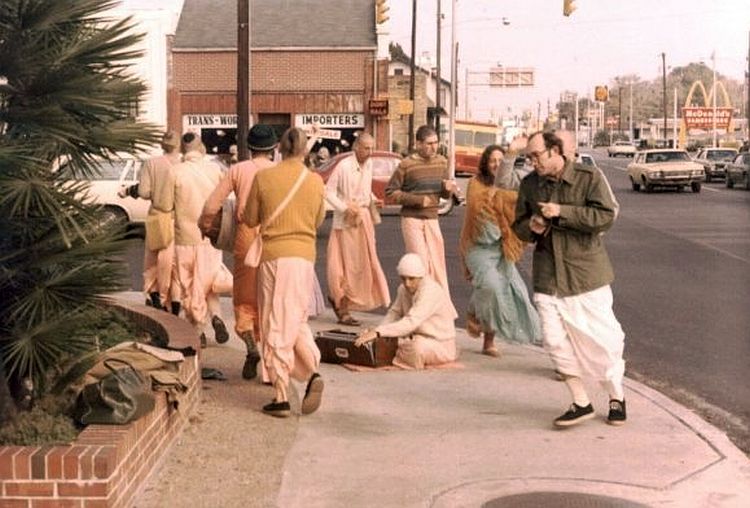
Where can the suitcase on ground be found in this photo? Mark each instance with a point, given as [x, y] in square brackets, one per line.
[337, 346]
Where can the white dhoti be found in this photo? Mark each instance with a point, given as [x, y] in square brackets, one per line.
[582, 335]
[353, 268]
[289, 349]
[198, 267]
[418, 352]
[160, 274]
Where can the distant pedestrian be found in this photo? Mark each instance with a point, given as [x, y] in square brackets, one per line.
[262, 142]
[200, 268]
[421, 317]
[499, 302]
[355, 279]
[564, 207]
[286, 271]
[156, 184]
[417, 185]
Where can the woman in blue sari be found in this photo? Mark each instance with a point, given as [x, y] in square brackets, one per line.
[499, 304]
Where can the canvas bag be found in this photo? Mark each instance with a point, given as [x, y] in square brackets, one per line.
[252, 258]
[122, 396]
[159, 230]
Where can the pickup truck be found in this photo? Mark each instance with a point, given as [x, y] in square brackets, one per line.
[621, 148]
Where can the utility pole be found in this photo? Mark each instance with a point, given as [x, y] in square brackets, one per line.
[748, 86]
[619, 108]
[454, 94]
[630, 115]
[243, 78]
[664, 90]
[713, 95]
[467, 113]
[412, 78]
[437, 72]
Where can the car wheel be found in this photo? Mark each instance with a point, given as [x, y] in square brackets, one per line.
[112, 216]
[636, 186]
[446, 206]
[695, 186]
[729, 182]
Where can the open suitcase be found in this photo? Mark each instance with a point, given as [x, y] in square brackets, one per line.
[337, 346]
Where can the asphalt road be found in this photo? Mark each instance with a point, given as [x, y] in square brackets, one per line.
[682, 267]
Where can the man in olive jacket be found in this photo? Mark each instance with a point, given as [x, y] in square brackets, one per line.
[564, 208]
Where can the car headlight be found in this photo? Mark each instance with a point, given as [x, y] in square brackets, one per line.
[697, 172]
[656, 174]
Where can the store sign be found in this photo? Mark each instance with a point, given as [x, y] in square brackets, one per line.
[378, 107]
[703, 118]
[194, 122]
[323, 133]
[331, 121]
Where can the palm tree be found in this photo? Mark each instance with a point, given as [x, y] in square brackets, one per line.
[65, 94]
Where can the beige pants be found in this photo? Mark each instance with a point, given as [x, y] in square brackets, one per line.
[197, 269]
[289, 349]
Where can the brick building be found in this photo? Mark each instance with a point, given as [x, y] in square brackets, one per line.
[309, 63]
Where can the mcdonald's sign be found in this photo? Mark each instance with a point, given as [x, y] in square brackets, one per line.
[703, 118]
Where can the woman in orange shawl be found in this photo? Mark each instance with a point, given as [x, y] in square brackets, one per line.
[499, 303]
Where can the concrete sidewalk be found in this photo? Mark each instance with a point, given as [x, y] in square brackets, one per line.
[480, 435]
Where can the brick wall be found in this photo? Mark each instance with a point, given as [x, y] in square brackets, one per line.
[398, 88]
[107, 464]
[272, 71]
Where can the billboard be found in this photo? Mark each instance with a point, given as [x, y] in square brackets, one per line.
[511, 77]
[703, 118]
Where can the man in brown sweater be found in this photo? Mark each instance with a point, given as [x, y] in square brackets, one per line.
[417, 185]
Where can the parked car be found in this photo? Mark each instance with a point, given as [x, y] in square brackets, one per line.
[383, 166]
[738, 171]
[665, 168]
[625, 148]
[113, 175]
[715, 160]
[586, 160]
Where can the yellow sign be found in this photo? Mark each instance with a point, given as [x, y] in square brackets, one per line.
[601, 93]
[404, 107]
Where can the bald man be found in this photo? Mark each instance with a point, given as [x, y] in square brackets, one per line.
[355, 278]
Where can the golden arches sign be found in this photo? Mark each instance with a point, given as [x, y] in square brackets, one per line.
[705, 117]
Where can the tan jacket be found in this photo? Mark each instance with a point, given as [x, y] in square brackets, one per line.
[195, 179]
[157, 182]
[239, 179]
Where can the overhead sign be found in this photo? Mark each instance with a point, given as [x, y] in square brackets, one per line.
[703, 118]
[193, 122]
[378, 107]
[331, 120]
[601, 93]
[511, 77]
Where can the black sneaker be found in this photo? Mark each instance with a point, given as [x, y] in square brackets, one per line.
[617, 415]
[220, 330]
[250, 369]
[278, 409]
[576, 414]
[204, 341]
[313, 394]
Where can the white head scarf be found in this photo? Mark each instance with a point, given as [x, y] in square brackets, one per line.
[411, 266]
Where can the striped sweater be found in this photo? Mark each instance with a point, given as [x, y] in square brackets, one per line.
[416, 178]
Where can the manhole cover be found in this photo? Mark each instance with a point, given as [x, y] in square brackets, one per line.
[560, 500]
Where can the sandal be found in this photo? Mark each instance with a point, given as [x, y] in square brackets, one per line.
[348, 320]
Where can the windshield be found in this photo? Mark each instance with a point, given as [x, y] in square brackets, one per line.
[666, 157]
[482, 139]
[720, 155]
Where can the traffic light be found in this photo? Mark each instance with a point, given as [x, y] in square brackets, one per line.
[568, 7]
[381, 11]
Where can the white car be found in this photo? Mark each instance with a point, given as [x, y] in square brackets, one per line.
[625, 148]
[586, 160]
[665, 168]
[114, 175]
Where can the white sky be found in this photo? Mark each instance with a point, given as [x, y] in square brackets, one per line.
[602, 39]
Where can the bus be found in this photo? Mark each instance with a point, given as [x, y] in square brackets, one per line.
[471, 140]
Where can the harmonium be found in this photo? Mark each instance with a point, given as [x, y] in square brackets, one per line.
[337, 346]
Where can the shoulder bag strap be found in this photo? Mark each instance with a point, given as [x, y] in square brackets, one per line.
[288, 198]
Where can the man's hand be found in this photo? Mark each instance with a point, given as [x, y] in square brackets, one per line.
[351, 215]
[365, 337]
[549, 210]
[450, 185]
[428, 201]
[537, 224]
[518, 144]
